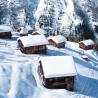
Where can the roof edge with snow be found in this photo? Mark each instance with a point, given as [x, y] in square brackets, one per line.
[58, 66]
[57, 39]
[33, 40]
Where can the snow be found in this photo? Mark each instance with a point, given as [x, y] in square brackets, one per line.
[57, 39]
[85, 57]
[33, 40]
[95, 23]
[40, 9]
[15, 78]
[77, 22]
[42, 31]
[23, 31]
[58, 66]
[28, 27]
[86, 84]
[88, 42]
[70, 10]
[27, 84]
[5, 28]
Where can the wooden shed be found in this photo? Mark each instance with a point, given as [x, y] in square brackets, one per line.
[39, 32]
[23, 31]
[5, 31]
[86, 44]
[32, 44]
[57, 41]
[57, 72]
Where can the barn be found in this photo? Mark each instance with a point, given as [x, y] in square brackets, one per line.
[23, 31]
[57, 72]
[5, 31]
[32, 44]
[40, 31]
[86, 44]
[57, 41]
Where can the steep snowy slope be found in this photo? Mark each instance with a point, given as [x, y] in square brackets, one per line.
[72, 18]
[13, 11]
[58, 16]
[19, 77]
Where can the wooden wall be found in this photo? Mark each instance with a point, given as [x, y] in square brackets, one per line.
[32, 49]
[66, 82]
[23, 34]
[59, 45]
[83, 46]
[5, 34]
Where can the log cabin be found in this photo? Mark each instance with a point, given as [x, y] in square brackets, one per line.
[5, 31]
[40, 31]
[57, 41]
[86, 44]
[32, 44]
[57, 72]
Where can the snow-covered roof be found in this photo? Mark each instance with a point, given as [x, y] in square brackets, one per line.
[58, 66]
[88, 42]
[23, 30]
[57, 39]
[33, 40]
[5, 28]
[41, 31]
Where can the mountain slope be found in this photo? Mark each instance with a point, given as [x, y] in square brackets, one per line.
[72, 18]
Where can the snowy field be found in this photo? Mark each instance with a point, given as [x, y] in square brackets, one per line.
[19, 78]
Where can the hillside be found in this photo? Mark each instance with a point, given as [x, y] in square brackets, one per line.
[19, 77]
[72, 18]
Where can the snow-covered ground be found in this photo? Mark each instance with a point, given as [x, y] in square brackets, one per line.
[19, 78]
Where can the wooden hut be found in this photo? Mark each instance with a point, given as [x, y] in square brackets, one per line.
[40, 31]
[23, 31]
[5, 31]
[86, 44]
[57, 72]
[32, 44]
[57, 41]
